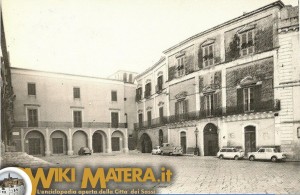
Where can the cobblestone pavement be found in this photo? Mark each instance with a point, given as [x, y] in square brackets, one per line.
[193, 174]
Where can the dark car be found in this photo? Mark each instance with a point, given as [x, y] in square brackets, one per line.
[84, 151]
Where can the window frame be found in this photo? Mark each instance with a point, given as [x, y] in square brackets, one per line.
[209, 104]
[31, 83]
[36, 122]
[74, 93]
[247, 92]
[247, 47]
[114, 98]
[111, 118]
[148, 89]
[210, 60]
[180, 66]
[81, 117]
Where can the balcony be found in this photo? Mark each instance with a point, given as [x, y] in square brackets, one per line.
[273, 105]
[53, 124]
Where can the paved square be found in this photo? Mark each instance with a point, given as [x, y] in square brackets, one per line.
[199, 174]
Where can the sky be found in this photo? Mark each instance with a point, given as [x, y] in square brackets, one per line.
[13, 175]
[99, 37]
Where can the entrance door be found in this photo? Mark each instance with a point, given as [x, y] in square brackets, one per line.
[250, 139]
[115, 142]
[97, 143]
[57, 144]
[211, 140]
[183, 141]
[34, 146]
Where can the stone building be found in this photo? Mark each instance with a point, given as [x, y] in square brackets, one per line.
[12, 186]
[58, 113]
[232, 85]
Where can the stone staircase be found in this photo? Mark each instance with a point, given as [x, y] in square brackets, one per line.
[22, 159]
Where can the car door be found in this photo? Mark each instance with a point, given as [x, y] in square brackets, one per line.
[261, 154]
[269, 153]
[229, 153]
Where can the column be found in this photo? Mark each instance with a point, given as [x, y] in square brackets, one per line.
[125, 149]
[90, 140]
[22, 141]
[70, 142]
[109, 141]
[201, 139]
[47, 143]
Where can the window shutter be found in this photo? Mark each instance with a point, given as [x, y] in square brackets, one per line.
[257, 98]
[215, 106]
[176, 108]
[200, 58]
[186, 106]
[240, 103]
[202, 105]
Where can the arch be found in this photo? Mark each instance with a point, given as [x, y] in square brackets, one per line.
[183, 141]
[99, 141]
[210, 140]
[35, 143]
[250, 138]
[117, 141]
[79, 139]
[160, 137]
[58, 142]
[145, 143]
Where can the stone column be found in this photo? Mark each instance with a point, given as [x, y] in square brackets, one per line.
[125, 149]
[70, 143]
[109, 141]
[90, 140]
[201, 139]
[22, 140]
[47, 143]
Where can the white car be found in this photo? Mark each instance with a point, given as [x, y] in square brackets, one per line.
[230, 152]
[266, 154]
[156, 150]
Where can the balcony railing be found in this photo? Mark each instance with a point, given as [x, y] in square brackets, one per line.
[202, 114]
[53, 124]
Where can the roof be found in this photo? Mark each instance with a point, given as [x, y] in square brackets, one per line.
[152, 67]
[277, 3]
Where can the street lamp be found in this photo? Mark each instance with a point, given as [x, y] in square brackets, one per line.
[196, 152]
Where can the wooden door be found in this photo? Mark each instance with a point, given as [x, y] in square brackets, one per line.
[58, 146]
[34, 146]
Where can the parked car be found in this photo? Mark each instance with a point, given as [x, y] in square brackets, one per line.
[84, 151]
[156, 150]
[170, 149]
[230, 152]
[266, 154]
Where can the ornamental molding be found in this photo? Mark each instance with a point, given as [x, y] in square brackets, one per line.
[207, 42]
[149, 108]
[161, 104]
[160, 73]
[182, 95]
[140, 111]
[180, 54]
[248, 116]
[212, 88]
[246, 28]
[148, 81]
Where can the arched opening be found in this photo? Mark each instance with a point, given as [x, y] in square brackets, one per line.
[58, 142]
[250, 139]
[117, 141]
[211, 140]
[79, 140]
[99, 142]
[183, 141]
[35, 143]
[146, 143]
[161, 137]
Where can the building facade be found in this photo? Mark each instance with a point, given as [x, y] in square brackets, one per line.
[59, 113]
[232, 85]
[12, 186]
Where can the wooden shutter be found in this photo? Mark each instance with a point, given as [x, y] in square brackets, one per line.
[258, 105]
[185, 106]
[202, 105]
[176, 108]
[240, 100]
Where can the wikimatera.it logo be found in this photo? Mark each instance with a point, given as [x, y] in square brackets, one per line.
[96, 178]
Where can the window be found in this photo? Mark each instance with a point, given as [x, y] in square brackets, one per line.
[247, 43]
[125, 77]
[147, 90]
[114, 119]
[248, 99]
[209, 104]
[76, 92]
[138, 96]
[77, 118]
[140, 120]
[180, 66]
[208, 55]
[181, 108]
[160, 83]
[149, 118]
[161, 114]
[32, 118]
[130, 78]
[261, 150]
[31, 89]
[114, 96]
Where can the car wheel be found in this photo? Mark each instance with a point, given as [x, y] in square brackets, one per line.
[251, 158]
[221, 157]
[236, 158]
[273, 159]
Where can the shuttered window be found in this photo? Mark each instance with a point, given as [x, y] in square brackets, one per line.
[77, 118]
[31, 89]
[208, 55]
[114, 119]
[140, 120]
[160, 82]
[114, 96]
[247, 43]
[181, 109]
[32, 118]
[149, 118]
[76, 92]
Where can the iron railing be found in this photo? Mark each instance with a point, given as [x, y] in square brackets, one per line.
[54, 124]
